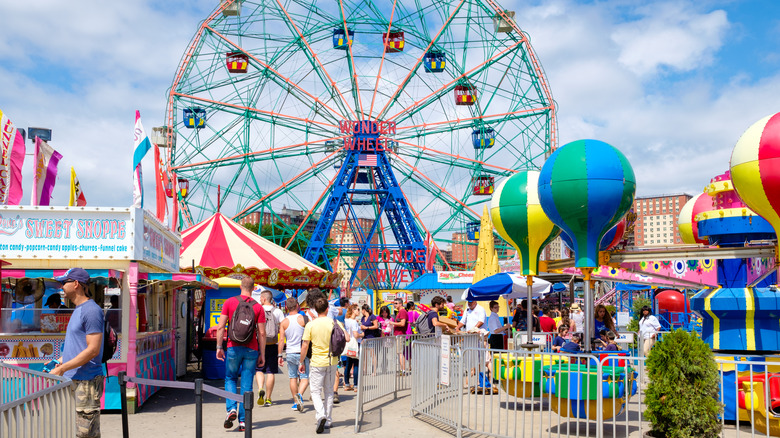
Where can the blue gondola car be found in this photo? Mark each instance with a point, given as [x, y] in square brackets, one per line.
[339, 42]
[483, 138]
[194, 118]
[472, 230]
[435, 61]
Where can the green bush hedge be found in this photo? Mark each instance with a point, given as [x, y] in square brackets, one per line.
[682, 395]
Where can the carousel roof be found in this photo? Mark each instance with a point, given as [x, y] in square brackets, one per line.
[219, 242]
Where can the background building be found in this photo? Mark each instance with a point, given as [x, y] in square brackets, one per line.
[343, 235]
[293, 218]
[656, 222]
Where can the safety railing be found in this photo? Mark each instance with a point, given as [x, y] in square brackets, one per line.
[385, 366]
[35, 404]
[508, 393]
[198, 389]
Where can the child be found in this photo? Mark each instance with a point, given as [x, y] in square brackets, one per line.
[560, 339]
[572, 346]
[611, 344]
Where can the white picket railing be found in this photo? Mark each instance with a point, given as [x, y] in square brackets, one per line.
[35, 404]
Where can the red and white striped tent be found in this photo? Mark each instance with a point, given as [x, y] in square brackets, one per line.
[219, 247]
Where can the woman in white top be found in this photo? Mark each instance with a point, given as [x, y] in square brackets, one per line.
[577, 318]
[648, 329]
[353, 328]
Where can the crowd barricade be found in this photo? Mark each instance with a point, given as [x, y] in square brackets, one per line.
[513, 393]
[35, 404]
[404, 377]
[386, 365]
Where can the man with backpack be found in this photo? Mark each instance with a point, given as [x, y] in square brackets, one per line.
[265, 374]
[82, 352]
[427, 323]
[245, 347]
[327, 339]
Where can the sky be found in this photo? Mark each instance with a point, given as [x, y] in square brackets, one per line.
[672, 84]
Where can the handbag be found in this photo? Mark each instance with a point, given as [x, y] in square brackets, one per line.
[352, 349]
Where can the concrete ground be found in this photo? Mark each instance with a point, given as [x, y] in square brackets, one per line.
[171, 413]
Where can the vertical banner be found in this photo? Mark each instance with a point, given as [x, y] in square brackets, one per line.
[11, 160]
[141, 146]
[46, 160]
[162, 204]
[77, 197]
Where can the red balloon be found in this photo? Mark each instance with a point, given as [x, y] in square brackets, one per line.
[671, 301]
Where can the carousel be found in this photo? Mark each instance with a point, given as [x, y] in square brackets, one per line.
[222, 250]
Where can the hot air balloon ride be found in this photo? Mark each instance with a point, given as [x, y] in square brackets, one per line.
[585, 188]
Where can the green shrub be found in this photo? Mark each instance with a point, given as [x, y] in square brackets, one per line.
[682, 396]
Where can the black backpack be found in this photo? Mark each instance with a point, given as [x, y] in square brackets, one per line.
[306, 321]
[338, 340]
[423, 323]
[110, 340]
[241, 328]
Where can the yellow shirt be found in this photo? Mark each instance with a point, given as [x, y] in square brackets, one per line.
[317, 332]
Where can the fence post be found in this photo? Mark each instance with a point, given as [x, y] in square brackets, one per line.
[361, 366]
[248, 413]
[396, 358]
[198, 408]
[600, 397]
[459, 430]
[123, 403]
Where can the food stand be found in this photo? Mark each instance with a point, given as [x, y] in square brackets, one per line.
[133, 262]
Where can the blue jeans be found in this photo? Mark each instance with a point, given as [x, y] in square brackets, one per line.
[243, 360]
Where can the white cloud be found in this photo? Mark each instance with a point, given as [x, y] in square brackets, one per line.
[648, 85]
[669, 35]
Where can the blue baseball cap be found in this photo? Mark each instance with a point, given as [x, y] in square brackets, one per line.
[76, 274]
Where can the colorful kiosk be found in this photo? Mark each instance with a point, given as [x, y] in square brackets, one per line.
[133, 261]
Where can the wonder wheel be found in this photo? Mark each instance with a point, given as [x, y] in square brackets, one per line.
[389, 120]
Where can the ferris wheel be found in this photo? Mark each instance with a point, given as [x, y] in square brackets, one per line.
[280, 105]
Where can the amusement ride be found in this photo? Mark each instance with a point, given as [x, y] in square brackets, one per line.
[386, 121]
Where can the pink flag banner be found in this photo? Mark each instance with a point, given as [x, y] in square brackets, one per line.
[46, 160]
[11, 160]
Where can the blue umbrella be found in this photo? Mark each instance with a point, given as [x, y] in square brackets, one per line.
[279, 296]
[505, 284]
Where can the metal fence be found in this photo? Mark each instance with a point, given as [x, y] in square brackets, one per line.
[508, 393]
[385, 366]
[35, 404]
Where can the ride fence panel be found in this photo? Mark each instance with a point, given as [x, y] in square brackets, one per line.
[35, 404]
[513, 393]
[430, 398]
[404, 377]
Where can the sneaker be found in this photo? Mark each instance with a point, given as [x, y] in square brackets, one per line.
[299, 398]
[241, 426]
[321, 424]
[268, 402]
[261, 397]
[231, 417]
[336, 398]
[295, 406]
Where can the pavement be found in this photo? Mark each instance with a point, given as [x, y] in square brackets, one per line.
[171, 413]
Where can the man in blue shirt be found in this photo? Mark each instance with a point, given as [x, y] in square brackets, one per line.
[82, 352]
